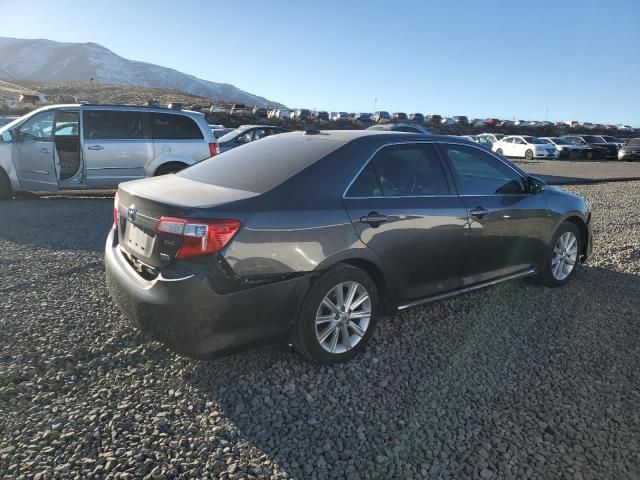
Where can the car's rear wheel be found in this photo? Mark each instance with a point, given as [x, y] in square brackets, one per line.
[5, 186]
[499, 152]
[338, 316]
[562, 258]
[528, 154]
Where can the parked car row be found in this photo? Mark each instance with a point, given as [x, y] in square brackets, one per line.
[566, 146]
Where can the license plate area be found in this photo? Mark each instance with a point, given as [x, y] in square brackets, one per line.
[137, 241]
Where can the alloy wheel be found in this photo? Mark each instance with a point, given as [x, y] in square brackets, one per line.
[565, 255]
[343, 317]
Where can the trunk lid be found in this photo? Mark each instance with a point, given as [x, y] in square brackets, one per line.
[141, 203]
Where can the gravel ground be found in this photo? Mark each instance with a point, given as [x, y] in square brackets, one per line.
[514, 381]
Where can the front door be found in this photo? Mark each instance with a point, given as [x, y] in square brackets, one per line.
[507, 225]
[34, 153]
[403, 207]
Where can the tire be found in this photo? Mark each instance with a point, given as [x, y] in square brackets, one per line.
[5, 186]
[547, 276]
[528, 155]
[499, 152]
[316, 319]
[588, 155]
[169, 168]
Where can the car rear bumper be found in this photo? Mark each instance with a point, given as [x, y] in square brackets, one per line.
[192, 318]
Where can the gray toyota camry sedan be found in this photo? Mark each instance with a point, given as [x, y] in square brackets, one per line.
[311, 237]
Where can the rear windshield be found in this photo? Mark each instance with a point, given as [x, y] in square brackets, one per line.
[260, 166]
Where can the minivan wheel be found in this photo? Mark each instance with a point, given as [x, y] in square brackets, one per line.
[528, 154]
[5, 186]
[338, 316]
[562, 258]
[169, 168]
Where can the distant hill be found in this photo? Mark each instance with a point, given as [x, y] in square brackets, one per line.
[46, 60]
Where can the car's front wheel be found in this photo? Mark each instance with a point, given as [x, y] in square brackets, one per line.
[562, 258]
[338, 316]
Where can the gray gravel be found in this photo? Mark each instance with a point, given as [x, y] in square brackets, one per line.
[515, 381]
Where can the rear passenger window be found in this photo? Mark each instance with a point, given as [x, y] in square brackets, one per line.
[113, 125]
[175, 127]
[402, 170]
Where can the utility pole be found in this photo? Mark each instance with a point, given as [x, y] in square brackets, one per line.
[375, 101]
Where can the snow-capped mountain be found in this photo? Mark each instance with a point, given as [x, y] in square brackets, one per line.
[46, 60]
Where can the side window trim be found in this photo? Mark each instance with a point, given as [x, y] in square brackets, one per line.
[441, 149]
[439, 155]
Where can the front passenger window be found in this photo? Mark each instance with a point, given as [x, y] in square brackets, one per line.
[479, 173]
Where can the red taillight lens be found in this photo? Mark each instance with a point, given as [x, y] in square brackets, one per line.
[199, 237]
[116, 217]
[213, 149]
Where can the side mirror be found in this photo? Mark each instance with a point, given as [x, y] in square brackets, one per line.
[7, 137]
[535, 185]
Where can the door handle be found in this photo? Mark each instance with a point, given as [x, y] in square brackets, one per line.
[374, 219]
[45, 150]
[479, 212]
[95, 147]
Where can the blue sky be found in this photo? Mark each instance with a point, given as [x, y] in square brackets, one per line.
[580, 59]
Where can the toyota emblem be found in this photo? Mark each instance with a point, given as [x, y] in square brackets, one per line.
[131, 213]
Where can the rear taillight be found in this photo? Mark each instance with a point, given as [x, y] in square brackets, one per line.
[199, 237]
[116, 216]
[213, 149]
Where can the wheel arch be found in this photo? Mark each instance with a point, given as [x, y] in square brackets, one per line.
[584, 232]
[367, 261]
[170, 163]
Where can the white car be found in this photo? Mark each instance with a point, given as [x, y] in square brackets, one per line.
[524, 146]
[280, 113]
[565, 148]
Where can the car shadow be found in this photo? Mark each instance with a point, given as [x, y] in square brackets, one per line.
[441, 387]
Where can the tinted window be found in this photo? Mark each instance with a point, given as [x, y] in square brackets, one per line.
[174, 127]
[113, 125]
[634, 142]
[261, 166]
[479, 173]
[38, 127]
[402, 170]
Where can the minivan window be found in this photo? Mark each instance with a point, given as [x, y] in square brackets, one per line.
[479, 173]
[38, 127]
[402, 170]
[113, 125]
[168, 126]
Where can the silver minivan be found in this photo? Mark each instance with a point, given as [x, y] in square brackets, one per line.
[98, 146]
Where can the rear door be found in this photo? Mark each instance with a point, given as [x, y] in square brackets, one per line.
[116, 146]
[507, 225]
[177, 138]
[34, 153]
[402, 206]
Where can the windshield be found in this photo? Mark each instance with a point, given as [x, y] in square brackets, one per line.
[634, 142]
[545, 140]
[260, 166]
[11, 124]
[533, 140]
[593, 139]
[230, 136]
[611, 139]
[561, 141]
